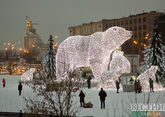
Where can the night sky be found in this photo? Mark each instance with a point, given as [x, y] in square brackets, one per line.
[55, 16]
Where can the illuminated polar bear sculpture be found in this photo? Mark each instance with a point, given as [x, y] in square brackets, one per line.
[118, 65]
[28, 75]
[144, 78]
[93, 51]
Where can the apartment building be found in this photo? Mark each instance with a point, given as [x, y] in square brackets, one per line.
[141, 25]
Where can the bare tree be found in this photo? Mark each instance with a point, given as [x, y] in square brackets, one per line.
[53, 97]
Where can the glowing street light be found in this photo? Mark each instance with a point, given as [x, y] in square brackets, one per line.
[33, 45]
[20, 49]
[147, 35]
[135, 42]
[55, 36]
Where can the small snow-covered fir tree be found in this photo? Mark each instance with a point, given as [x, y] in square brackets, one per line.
[154, 54]
[49, 61]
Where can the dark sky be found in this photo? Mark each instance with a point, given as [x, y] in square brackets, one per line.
[55, 16]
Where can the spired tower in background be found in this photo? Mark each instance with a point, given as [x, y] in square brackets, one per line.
[33, 44]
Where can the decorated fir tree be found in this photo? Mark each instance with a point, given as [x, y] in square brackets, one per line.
[154, 54]
[49, 61]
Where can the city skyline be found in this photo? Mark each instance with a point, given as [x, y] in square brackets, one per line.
[54, 17]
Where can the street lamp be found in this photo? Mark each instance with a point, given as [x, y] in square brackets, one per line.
[9, 47]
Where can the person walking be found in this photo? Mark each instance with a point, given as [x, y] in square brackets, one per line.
[4, 82]
[89, 82]
[139, 86]
[136, 86]
[151, 85]
[82, 96]
[117, 86]
[102, 95]
[20, 88]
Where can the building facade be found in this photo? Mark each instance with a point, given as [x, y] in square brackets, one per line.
[140, 24]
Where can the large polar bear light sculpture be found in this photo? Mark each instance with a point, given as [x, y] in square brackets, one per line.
[93, 51]
[118, 65]
[144, 78]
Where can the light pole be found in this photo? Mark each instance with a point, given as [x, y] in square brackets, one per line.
[9, 53]
[56, 44]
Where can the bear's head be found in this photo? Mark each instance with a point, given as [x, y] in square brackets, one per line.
[115, 37]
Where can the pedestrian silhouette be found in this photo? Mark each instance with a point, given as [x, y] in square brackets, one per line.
[151, 85]
[136, 86]
[82, 96]
[89, 82]
[117, 86]
[20, 88]
[102, 95]
[139, 86]
[4, 82]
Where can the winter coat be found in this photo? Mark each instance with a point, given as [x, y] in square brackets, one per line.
[151, 82]
[117, 85]
[102, 95]
[81, 95]
[89, 79]
[4, 82]
[136, 85]
[20, 87]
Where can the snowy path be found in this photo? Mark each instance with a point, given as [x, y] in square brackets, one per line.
[116, 104]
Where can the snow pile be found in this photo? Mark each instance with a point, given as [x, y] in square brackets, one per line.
[144, 78]
[93, 51]
[28, 75]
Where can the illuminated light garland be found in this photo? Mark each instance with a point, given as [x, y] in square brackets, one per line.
[144, 79]
[28, 75]
[118, 65]
[93, 51]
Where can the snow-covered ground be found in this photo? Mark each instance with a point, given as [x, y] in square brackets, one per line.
[116, 104]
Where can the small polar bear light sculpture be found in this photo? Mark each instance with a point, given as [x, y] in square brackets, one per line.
[144, 78]
[28, 75]
[93, 51]
[118, 65]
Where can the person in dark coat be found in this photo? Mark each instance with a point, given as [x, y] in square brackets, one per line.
[4, 82]
[102, 95]
[117, 86]
[89, 82]
[136, 86]
[139, 86]
[82, 96]
[151, 85]
[20, 88]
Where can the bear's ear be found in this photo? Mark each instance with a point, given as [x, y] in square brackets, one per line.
[96, 39]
